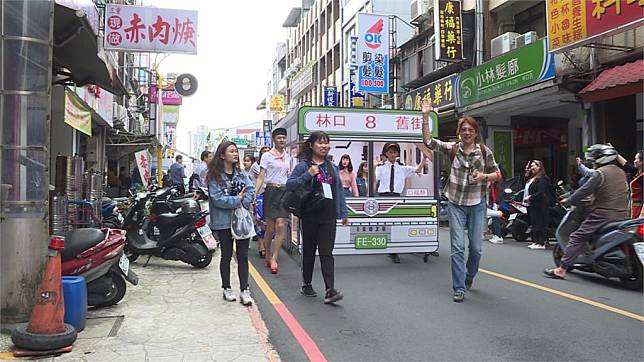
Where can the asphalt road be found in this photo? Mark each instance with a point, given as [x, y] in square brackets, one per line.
[394, 312]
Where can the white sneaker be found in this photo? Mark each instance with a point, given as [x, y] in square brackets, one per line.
[532, 245]
[496, 240]
[538, 247]
[245, 298]
[229, 296]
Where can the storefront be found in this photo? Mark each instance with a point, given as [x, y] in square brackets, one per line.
[524, 110]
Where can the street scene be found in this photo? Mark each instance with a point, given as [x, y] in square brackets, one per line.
[322, 180]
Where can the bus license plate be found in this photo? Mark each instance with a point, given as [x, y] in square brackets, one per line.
[371, 241]
[639, 250]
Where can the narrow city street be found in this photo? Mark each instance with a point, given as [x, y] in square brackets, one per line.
[405, 311]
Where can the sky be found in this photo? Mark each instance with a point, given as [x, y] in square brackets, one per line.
[236, 48]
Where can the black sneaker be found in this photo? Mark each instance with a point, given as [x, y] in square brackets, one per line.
[459, 296]
[395, 258]
[332, 296]
[468, 283]
[308, 291]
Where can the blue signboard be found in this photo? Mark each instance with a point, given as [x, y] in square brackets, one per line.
[373, 53]
[330, 97]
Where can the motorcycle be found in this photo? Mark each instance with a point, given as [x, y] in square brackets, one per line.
[97, 255]
[183, 236]
[519, 221]
[616, 251]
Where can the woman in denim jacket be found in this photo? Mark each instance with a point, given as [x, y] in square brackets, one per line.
[319, 226]
[228, 189]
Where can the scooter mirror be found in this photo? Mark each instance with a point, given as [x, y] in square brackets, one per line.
[508, 191]
[560, 183]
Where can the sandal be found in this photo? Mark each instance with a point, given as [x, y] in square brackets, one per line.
[550, 273]
[262, 254]
[274, 269]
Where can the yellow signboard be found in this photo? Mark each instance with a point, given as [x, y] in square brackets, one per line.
[277, 103]
[76, 114]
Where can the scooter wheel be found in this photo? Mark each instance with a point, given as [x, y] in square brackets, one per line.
[206, 257]
[116, 293]
[132, 256]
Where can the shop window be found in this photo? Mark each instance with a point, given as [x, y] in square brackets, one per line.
[532, 19]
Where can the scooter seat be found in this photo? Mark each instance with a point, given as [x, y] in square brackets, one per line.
[613, 225]
[176, 204]
[80, 240]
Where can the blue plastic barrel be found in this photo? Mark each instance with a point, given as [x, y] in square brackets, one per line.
[75, 294]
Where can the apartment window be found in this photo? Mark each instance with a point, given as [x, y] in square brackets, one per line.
[329, 59]
[336, 56]
[336, 10]
[322, 23]
[533, 18]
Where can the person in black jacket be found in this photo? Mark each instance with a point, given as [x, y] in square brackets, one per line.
[538, 199]
[319, 225]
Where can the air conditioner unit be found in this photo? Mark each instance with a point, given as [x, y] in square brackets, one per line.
[503, 43]
[525, 39]
[420, 9]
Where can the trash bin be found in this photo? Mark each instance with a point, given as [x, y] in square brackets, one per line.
[75, 294]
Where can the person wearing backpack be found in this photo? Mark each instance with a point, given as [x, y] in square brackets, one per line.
[473, 167]
[316, 172]
[229, 189]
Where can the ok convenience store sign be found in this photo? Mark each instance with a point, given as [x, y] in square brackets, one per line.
[573, 22]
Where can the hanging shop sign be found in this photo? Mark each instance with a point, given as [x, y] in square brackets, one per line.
[520, 68]
[170, 114]
[303, 79]
[373, 53]
[357, 98]
[150, 29]
[143, 164]
[330, 97]
[77, 115]
[448, 31]
[170, 97]
[440, 93]
[276, 103]
[100, 100]
[171, 136]
[574, 22]
[364, 122]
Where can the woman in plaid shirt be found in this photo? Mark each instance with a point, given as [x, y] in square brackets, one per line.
[473, 168]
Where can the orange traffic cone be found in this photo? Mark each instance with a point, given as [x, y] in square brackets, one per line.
[46, 329]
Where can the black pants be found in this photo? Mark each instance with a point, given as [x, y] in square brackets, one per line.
[226, 242]
[321, 236]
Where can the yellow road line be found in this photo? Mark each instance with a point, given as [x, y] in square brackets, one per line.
[566, 295]
[261, 283]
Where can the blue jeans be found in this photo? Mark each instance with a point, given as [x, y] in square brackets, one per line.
[472, 218]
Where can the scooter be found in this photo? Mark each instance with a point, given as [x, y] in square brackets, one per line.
[616, 251]
[97, 255]
[183, 236]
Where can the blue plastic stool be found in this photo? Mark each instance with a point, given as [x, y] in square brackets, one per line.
[75, 294]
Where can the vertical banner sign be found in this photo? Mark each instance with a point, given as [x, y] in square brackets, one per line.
[150, 29]
[143, 164]
[277, 103]
[357, 98]
[76, 114]
[373, 53]
[503, 150]
[330, 97]
[448, 44]
[573, 22]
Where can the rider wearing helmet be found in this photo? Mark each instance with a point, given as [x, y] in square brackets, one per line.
[610, 190]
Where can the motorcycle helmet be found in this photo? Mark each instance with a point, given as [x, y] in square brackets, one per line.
[190, 206]
[601, 154]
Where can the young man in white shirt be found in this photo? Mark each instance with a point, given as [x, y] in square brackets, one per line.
[391, 176]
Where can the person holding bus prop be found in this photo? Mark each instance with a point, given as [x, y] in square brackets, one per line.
[473, 167]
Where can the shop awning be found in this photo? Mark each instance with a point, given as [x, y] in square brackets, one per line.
[76, 48]
[615, 82]
[120, 144]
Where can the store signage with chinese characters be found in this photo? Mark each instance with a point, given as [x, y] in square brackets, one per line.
[363, 122]
[171, 136]
[440, 93]
[100, 100]
[170, 97]
[76, 114]
[356, 98]
[262, 139]
[517, 69]
[150, 29]
[574, 22]
[170, 114]
[143, 165]
[373, 53]
[448, 31]
[303, 79]
[330, 97]
[277, 103]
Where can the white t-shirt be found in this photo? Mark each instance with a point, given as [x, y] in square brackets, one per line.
[383, 174]
[276, 167]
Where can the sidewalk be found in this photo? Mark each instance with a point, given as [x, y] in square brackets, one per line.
[176, 313]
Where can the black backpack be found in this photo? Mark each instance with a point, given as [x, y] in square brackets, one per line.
[308, 199]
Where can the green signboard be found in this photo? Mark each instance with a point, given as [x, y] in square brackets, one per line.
[240, 141]
[517, 69]
[503, 151]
